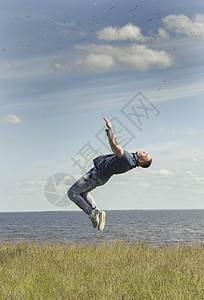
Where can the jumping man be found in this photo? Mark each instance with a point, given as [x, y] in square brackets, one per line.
[105, 166]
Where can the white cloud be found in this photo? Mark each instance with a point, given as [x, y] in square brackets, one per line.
[199, 179]
[162, 34]
[121, 183]
[82, 33]
[190, 173]
[142, 184]
[141, 58]
[165, 172]
[183, 25]
[191, 132]
[178, 91]
[161, 172]
[39, 182]
[128, 32]
[9, 66]
[62, 66]
[180, 24]
[102, 58]
[12, 119]
[198, 192]
[25, 190]
[92, 63]
[195, 177]
[29, 186]
[95, 63]
[36, 66]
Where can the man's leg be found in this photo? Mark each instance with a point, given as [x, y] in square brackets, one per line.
[79, 194]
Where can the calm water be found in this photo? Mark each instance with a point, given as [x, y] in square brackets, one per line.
[174, 226]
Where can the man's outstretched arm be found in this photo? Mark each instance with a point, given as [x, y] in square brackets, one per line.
[116, 148]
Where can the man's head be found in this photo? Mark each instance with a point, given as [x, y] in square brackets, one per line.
[144, 159]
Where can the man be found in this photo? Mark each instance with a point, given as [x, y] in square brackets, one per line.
[104, 167]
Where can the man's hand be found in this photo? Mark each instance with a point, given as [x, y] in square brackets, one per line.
[109, 128]
[108, 125]
[116, 148]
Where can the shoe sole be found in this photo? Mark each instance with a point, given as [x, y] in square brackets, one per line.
[102, 220]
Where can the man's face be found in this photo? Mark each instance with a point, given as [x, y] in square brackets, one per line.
[142, 154]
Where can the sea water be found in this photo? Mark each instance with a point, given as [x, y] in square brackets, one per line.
[156, 226]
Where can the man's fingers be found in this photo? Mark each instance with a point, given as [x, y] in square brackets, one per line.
[106, 120]
[108, 123]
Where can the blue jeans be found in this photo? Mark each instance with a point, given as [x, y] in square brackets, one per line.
[79, 191]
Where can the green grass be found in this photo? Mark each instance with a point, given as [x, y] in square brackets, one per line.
[118, 270]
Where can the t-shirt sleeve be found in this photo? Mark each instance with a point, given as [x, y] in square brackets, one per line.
[130, 158]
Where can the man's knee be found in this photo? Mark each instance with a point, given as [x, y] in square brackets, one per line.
[71, 194]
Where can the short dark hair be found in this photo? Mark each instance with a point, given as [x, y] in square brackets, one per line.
[146, 163]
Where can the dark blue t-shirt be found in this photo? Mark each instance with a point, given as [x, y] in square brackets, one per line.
[111, 164]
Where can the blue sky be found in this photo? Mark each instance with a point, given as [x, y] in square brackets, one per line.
[64, 65]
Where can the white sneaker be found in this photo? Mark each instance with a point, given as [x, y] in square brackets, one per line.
[102, 220]
[95, 219]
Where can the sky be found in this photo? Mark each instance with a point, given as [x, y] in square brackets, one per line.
[64, 65]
